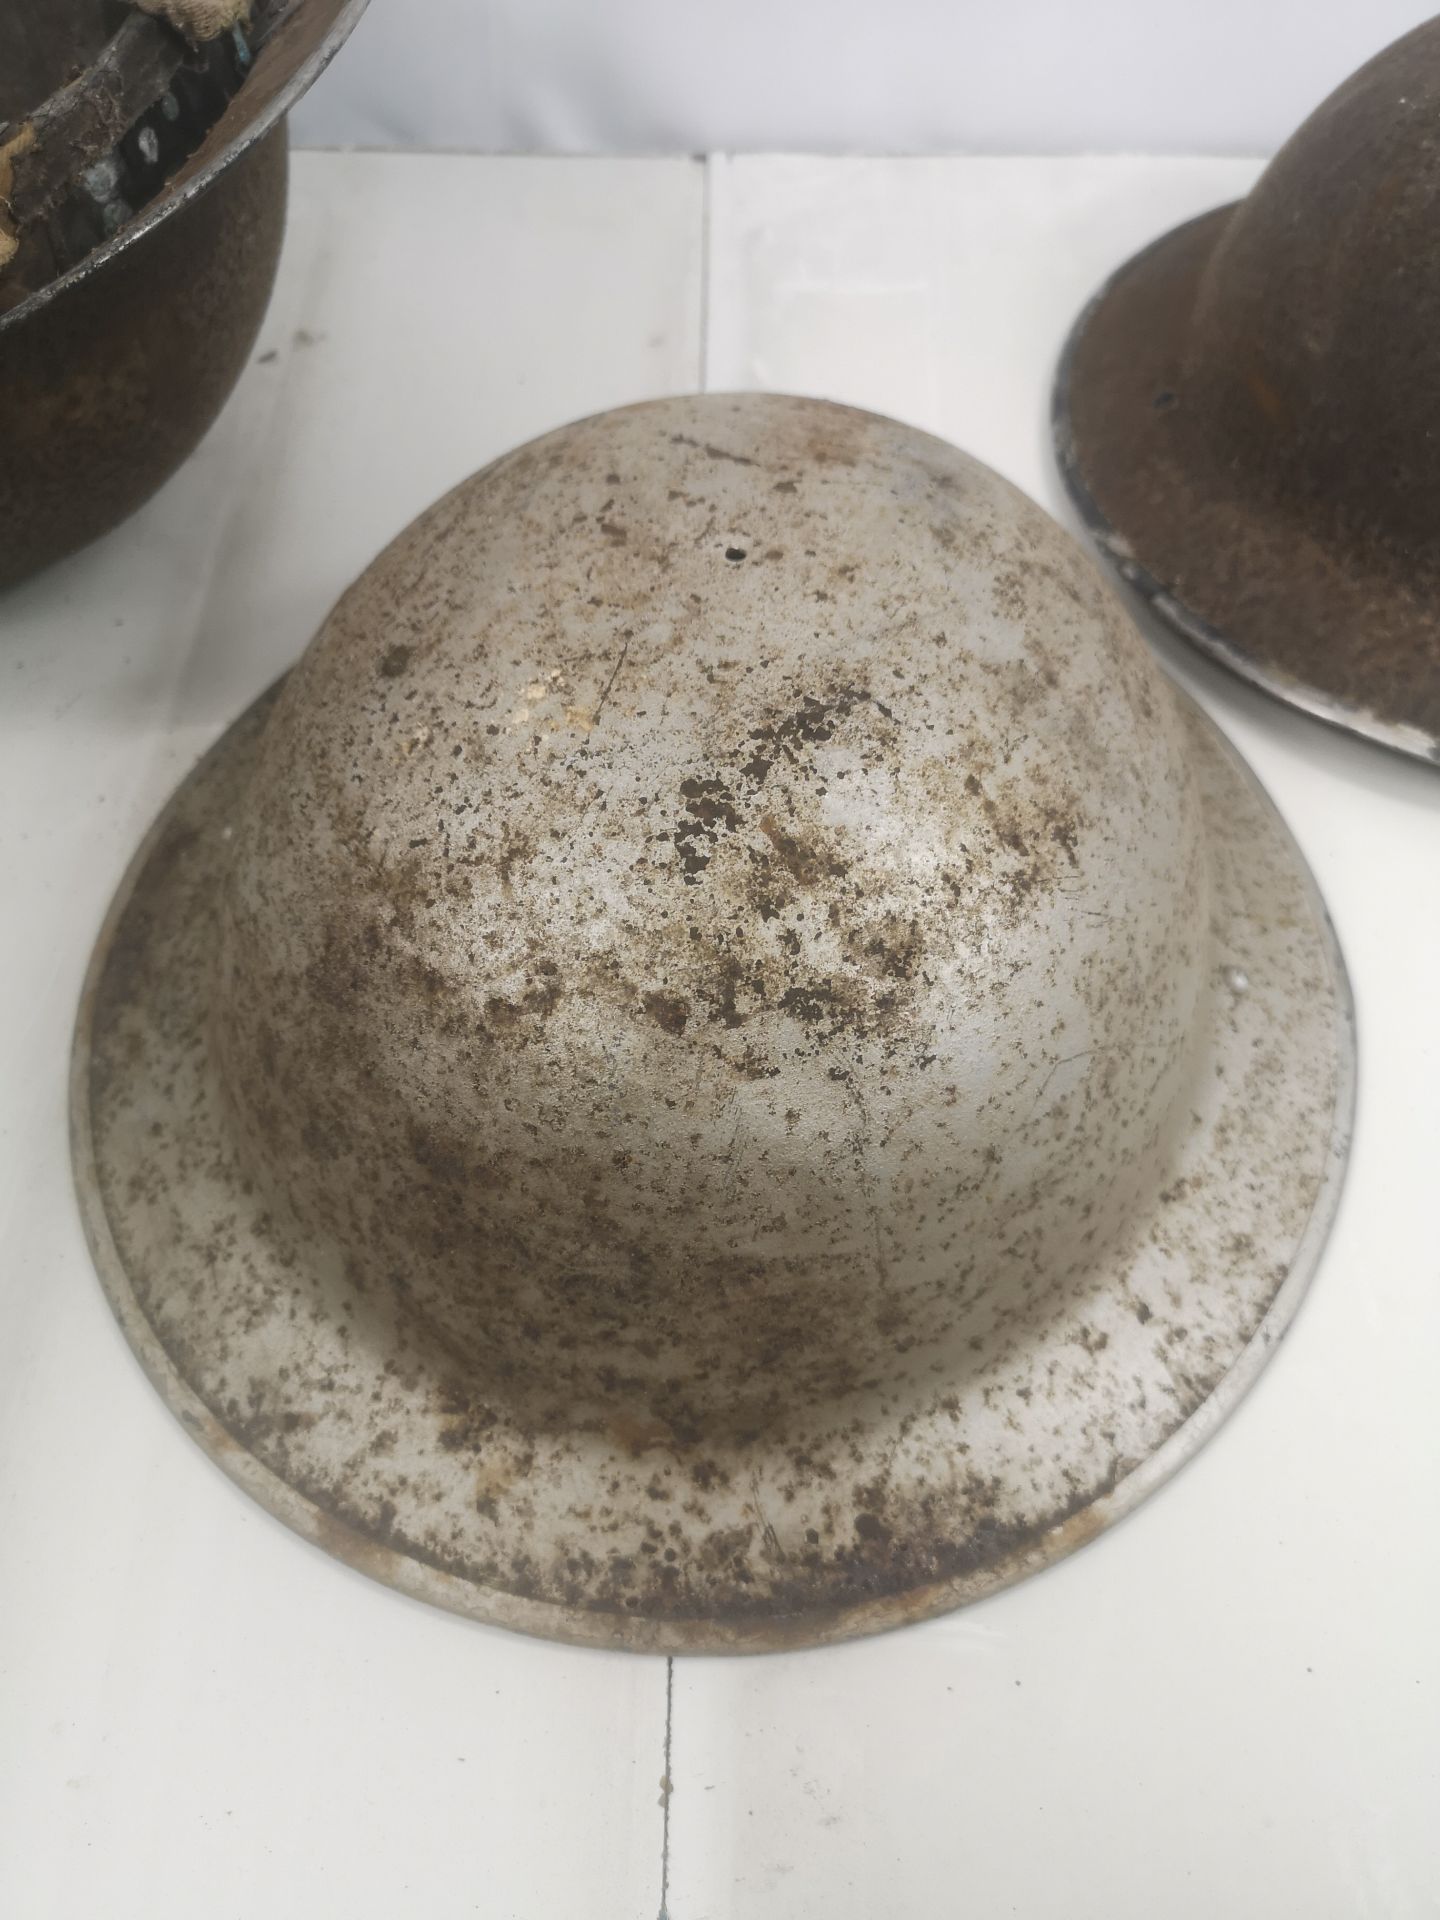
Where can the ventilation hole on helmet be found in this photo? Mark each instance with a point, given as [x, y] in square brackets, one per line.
[1164, 400]
[734, 553]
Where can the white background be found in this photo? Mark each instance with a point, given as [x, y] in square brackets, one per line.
[837, 76]
[1226, 1708]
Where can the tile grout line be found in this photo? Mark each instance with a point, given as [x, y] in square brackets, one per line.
[666, 1789]
[707, 177]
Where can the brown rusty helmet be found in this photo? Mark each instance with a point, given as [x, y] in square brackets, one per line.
[726, 1064]
[1248, 414]
[142, 205]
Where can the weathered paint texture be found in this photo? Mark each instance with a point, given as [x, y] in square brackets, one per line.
[728, 1065]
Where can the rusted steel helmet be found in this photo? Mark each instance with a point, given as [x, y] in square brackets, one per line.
[726, 1064]
[142, 206]
[1248, 414]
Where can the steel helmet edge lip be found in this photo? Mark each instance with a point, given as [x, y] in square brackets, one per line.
[190, 186]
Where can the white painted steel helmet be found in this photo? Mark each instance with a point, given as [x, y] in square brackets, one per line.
[726, 1063]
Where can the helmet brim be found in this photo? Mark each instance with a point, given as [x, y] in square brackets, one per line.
[327, 1405]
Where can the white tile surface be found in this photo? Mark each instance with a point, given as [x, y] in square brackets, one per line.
[1227, 1706]
[198, 1713]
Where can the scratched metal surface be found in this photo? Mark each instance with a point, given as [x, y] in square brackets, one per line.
[745, 1072]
